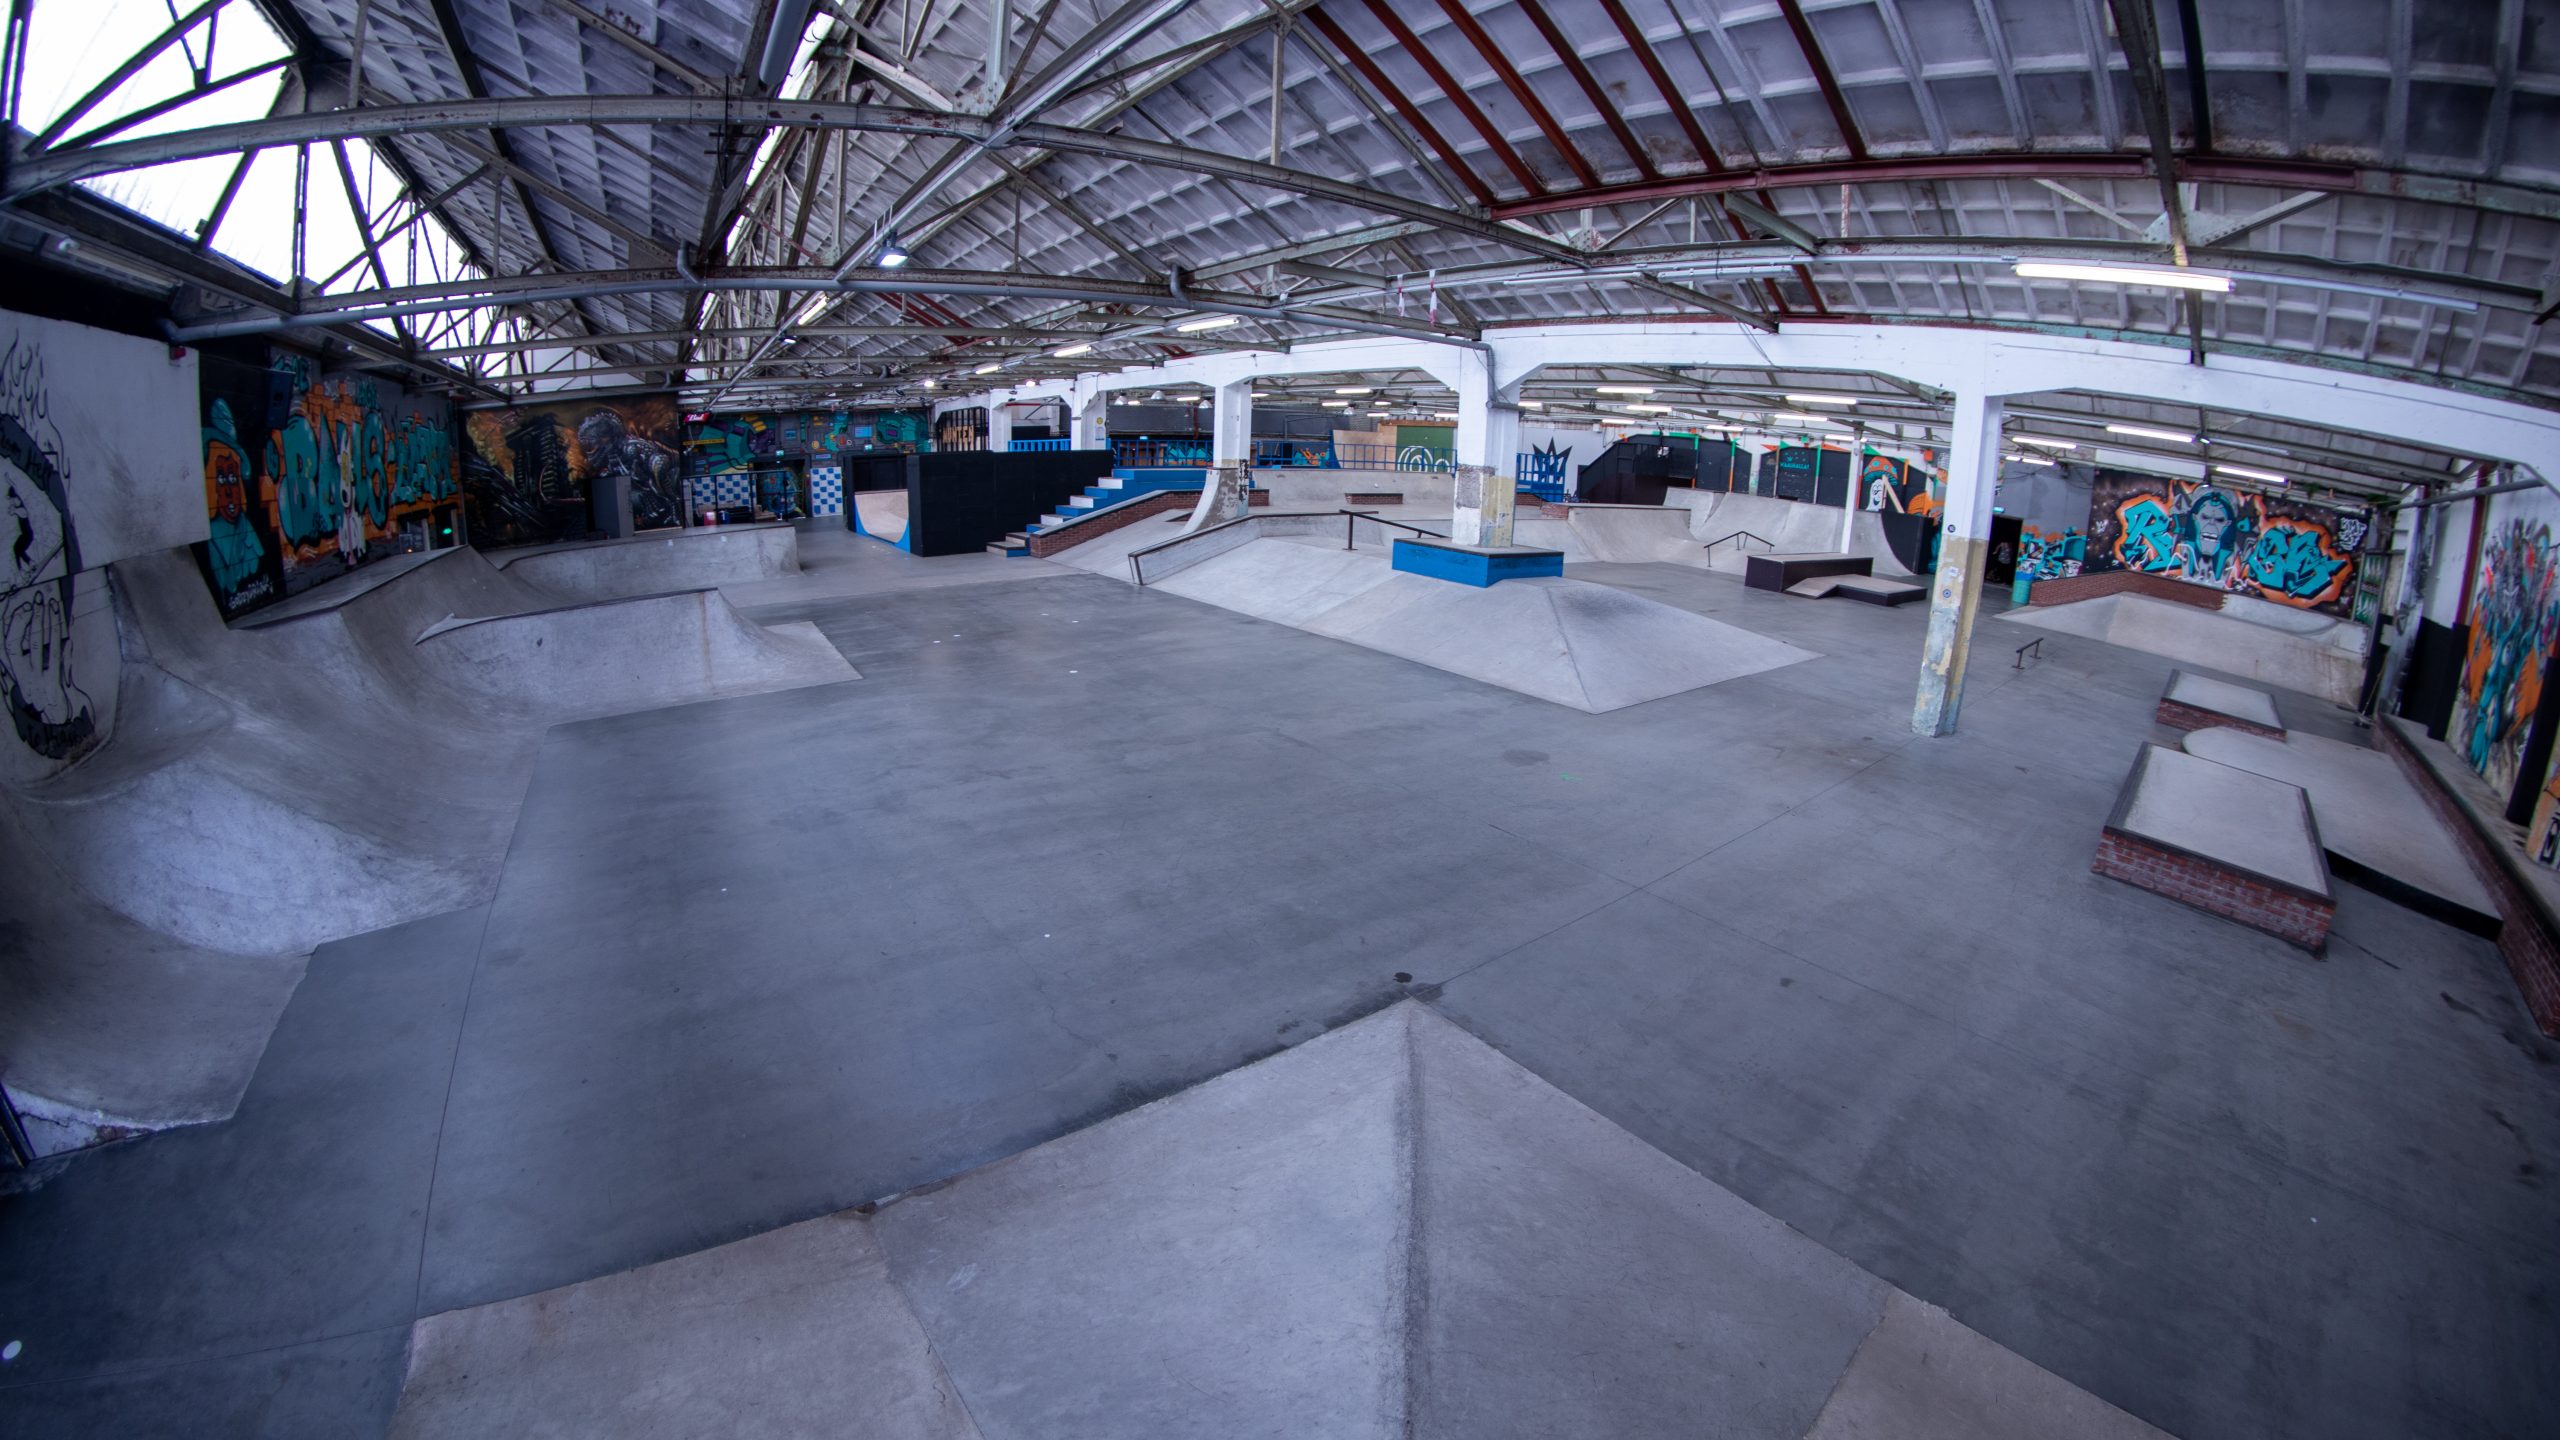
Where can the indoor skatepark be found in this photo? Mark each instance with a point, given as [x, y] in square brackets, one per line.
[1322, 720]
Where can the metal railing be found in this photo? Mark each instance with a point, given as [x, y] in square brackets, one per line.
[1395, 457]
[2036, 645]
[1297, 454]
[1352, 519]
[1160, 454]
[1020, 446]
[1764, 540]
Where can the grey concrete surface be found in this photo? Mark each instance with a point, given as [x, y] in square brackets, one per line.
[2203, 692]
[1388, 1230]
[2369, 814]
[256, 1276]
[793, 1333]
[1921, 1376]
[2225, 814]
[1071, 846]
[656, 562]
[1229, 1261]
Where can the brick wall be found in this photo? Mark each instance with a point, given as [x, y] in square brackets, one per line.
[1373, 497]
[1050, 542]
[2117, 582]
[2179, 716]
[2285, 913]
[2526, 936]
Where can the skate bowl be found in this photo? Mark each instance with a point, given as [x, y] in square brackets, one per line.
[168, 886]
[656, 563]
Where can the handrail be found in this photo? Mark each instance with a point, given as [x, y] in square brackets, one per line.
[1351, 518]
[1739, 535]
[2037, 645]
[1351, 527]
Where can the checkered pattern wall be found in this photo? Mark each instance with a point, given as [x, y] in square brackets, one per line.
[826, 489]
[707, 490]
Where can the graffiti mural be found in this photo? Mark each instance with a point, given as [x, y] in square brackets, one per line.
[726, 444]
[2051, 555]
[528, 475]
[1545, 466]
[2515, 620]
[307, 475]
[1894, 487]
[2231, 540]
[48, 709]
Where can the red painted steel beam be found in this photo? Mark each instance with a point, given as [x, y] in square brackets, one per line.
[1449, 86]
[1652, 63]
[1395, 97]
[1600, 102]
[2282, 174]
[1520, 91]
[1822, 76]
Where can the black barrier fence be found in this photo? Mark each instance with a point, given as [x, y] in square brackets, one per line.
[964, 501]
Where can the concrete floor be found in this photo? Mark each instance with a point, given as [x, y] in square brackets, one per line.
[1070, 845]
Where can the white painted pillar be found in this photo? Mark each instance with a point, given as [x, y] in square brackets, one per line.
[1488, 447]
[1092, 425]
[1856, 499]
[1231, 423]
[999, 422]
[1964, 544]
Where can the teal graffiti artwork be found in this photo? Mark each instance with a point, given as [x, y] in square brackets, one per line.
[2295, 562]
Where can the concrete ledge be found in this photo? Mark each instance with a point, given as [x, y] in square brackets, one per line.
[2529, 937]
[2197, 702]
[2225, 841]
[1050, 541]
[1783, 572]
[1372, 497]
[1476, 565]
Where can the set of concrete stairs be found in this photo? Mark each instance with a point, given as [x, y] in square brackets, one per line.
[1126, 482]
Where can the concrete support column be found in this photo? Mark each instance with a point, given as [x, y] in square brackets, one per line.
[1092, 425]
[1231, 423]
[999, 422]
[1964, 544]
[1488, 446]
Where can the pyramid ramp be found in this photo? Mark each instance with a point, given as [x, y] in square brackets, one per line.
[1389, 1231]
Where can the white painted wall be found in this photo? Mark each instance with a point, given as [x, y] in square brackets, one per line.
[100, 460]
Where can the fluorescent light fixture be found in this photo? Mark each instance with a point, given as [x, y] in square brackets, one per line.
[1444, 416]
[989, 368]
[2174, 437]
[892, 254]
[1213, 322]
[1353, 389]
[2246, 473]
[1261, 394]
[2125, 275]
[1783, 418]
[1533, 404]
[816, 307]
[928, 384]
[1624, 389]
[1338, 404]
[2047, 441]
[1070, 352]
[2026, 460]
[1820, 400]
[1652, 409]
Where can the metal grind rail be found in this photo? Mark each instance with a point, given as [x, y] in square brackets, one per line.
[1226, 530]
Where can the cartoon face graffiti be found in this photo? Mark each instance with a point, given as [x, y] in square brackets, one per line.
[2513, 629]
[46, 705]
[2214, 528]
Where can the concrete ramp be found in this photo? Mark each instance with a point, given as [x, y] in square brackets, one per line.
[620, 655]
[1788, 526]
[271, 787]
[2378, 830]
[655, 563]
[1634, 535]
[2309, 652]
[1592, 647]
[1390, 1231]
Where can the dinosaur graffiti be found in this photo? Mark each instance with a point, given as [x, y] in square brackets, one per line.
[52, 715]
[2515, 621]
